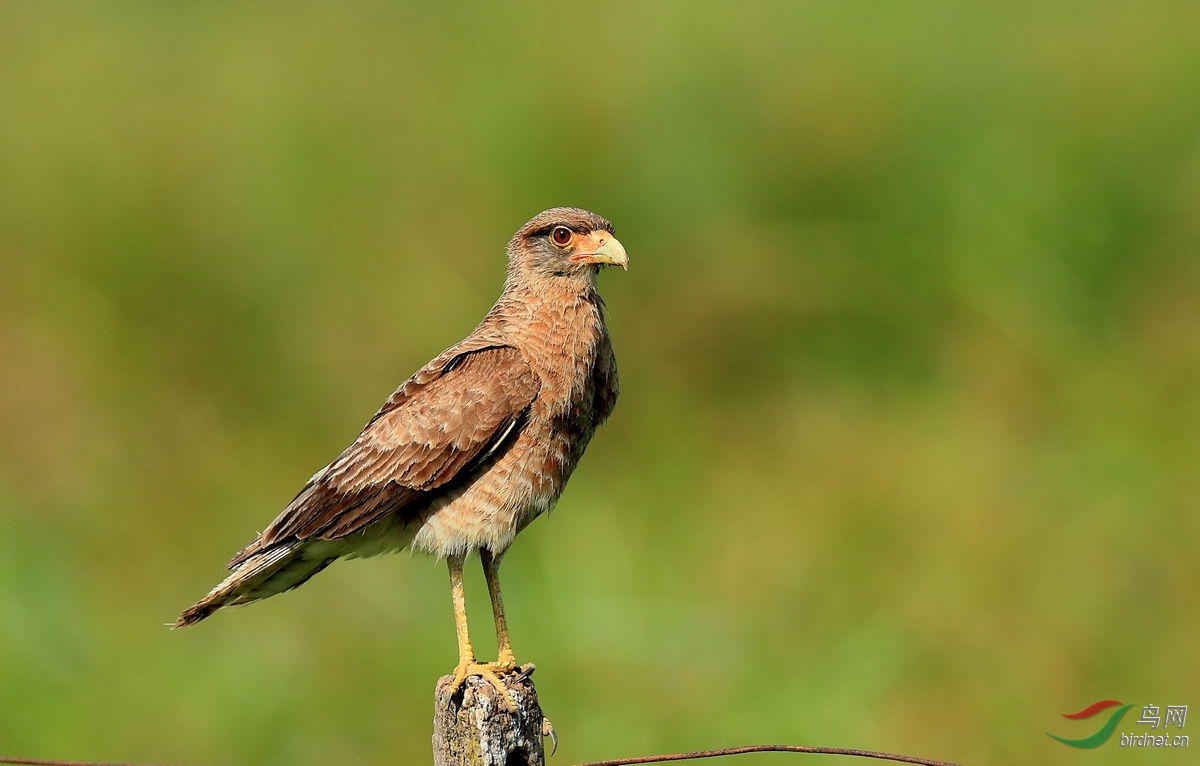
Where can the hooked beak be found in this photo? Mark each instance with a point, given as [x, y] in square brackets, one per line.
[605, 249]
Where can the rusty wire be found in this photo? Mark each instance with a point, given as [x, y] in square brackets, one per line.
[631, 761]
[769, 749]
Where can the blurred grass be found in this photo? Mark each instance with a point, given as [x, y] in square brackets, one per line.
[906, 453]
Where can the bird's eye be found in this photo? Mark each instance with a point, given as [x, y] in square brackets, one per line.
[561, 236]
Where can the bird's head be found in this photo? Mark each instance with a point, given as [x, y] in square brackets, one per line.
[565, 244]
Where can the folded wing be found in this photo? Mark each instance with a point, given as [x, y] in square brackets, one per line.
[430, 431]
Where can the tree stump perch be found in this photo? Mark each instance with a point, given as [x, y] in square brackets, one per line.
[474, 728]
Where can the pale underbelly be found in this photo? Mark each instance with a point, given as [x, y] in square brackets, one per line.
[490, 511]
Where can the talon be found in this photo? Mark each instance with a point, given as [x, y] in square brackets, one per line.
[460, 677]
[488, 672]
[548, 731]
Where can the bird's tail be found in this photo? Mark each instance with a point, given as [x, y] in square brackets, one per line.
[263, 574]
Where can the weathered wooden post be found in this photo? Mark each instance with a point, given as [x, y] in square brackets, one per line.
[474, 728]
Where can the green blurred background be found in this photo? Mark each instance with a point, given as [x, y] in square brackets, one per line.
[906, 455]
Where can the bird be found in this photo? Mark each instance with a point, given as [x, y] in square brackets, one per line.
[471, 448]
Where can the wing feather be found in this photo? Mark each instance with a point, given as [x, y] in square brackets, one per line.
[457, 409]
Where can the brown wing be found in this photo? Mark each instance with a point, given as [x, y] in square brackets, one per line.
[455, 410]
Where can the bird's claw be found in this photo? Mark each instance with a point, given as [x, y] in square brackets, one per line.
[548, 731]
[490, 672]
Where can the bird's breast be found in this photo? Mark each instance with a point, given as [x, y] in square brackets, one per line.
[567, 347]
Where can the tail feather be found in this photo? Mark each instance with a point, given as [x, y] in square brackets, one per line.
[265, 573]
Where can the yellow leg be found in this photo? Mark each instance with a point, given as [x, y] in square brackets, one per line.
[459, 595]
[506, 661]
[467, 664]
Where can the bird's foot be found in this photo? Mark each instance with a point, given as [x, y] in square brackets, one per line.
[490, 672]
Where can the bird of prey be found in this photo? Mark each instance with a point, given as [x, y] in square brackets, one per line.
[471, 448]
